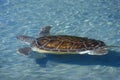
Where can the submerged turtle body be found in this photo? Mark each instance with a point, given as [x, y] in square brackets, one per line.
[62, 44]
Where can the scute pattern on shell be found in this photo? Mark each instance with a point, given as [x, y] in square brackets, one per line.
[63, 43]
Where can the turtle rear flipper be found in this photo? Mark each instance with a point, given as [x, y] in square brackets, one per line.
[25, 50]
[45, 31]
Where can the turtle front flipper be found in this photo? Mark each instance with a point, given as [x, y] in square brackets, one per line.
[25, 50]
[45, 31]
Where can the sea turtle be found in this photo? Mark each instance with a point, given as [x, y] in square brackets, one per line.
[62, 44]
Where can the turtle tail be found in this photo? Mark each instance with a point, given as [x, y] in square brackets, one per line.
[27, 39]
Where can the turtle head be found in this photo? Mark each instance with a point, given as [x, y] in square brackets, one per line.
[26, 39]
[104, 49]
[100, 51]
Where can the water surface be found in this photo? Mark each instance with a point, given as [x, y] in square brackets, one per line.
[98, 19]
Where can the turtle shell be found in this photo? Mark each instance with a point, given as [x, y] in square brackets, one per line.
[63, 43]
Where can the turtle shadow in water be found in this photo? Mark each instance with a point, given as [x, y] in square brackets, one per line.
[111, 59]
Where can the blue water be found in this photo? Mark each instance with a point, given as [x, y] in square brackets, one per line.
[98, 19]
